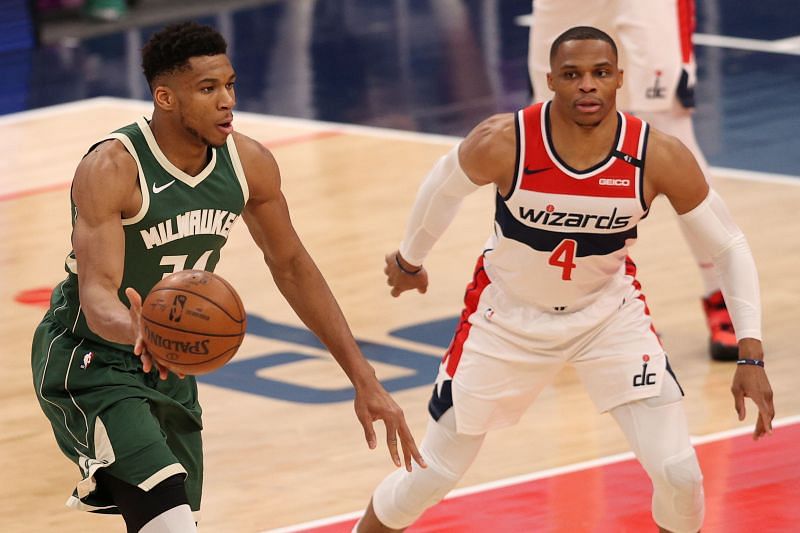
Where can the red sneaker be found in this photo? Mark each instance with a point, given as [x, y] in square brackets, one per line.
[722, 344]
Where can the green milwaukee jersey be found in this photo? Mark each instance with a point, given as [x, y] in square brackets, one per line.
[183, 223]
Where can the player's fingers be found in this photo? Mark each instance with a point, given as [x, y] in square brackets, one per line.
[759, 430]
[765, 413]
[391, 442]
[134, 299]
[369, 430]
[410, 448]
[738, 402]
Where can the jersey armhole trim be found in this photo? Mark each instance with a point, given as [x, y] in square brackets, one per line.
[519, 130]
[126, 142]
[238, 168]
[644, 136]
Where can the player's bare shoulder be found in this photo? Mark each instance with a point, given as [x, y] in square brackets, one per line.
[488, 152]
[108, 174]
[672, 170]
[259, 165]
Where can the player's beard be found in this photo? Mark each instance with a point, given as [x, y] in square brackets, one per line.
[196, 134]
[589, 125]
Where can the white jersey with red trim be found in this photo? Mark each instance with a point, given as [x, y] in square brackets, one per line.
[562, 235]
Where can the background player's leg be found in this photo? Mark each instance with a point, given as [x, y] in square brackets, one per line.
[659, 87]
[677, 121]
[657, 431]
[403, 496]
[550, 19]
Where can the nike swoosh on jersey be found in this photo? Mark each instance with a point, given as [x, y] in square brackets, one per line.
[535, 170]
[157, 189]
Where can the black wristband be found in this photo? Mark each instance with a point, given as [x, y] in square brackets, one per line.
[754, 362]
[404, 270]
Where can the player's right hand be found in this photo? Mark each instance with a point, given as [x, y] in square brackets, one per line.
[401, 281]
[372, 403]
[139, 348]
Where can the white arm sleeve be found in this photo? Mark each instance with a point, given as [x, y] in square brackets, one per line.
[438, 200]
[711, 224]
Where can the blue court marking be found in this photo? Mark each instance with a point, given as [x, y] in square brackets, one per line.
[242, 375]
[436, 333]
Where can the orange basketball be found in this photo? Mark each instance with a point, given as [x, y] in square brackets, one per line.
[193, 322]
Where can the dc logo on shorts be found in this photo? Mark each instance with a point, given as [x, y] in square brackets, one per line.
[657, 90]
[645, 378]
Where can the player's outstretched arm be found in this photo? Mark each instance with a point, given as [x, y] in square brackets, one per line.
[672, 171]
[301, 283]
[104, 186]
[485, 156]
[105, 190]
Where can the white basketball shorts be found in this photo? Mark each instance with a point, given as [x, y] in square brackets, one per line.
[504, 354]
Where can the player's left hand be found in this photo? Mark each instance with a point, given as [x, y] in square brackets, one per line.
[751, 381]
[139, 348]
[373, 403]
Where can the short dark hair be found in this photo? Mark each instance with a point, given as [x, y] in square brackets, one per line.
[171, 48]
[581, 33]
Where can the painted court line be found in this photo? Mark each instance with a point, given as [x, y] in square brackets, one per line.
[542, 474]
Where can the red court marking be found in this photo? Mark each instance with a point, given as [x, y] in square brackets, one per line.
[39, 297]
[269, 144]
[750, 487]
[33, 191]
[302, 138]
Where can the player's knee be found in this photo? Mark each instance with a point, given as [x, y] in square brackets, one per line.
[403, 496]
[678, 493]
[139, 507]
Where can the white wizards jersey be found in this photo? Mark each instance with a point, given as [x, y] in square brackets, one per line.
[561, 235]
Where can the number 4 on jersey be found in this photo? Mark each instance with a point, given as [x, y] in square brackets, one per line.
[563, 257]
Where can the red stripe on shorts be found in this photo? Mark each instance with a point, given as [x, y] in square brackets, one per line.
[630, 270]
[471, 297]
[687, 22]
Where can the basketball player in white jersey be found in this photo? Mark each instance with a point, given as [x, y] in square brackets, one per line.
[655, 40]
[554, 285]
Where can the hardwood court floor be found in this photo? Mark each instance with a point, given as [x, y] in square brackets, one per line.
[272, 462]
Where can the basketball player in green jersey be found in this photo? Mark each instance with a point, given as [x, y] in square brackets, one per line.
[153, 198]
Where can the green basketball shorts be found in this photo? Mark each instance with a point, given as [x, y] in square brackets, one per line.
[107, 413]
